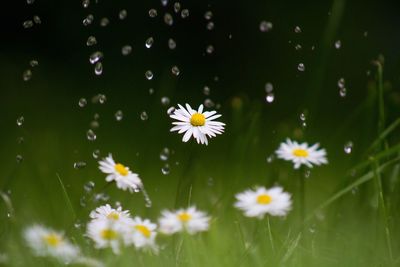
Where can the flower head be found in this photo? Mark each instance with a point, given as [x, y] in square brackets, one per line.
[258, 202]
[142, 234]
[47, 242]
[190, 220]
[197, 123]
[109, 213]
[121, 174]
[302, 154]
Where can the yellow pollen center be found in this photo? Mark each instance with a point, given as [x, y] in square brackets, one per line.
[52, 240]
[121, 169]
[299, 152]
[143, 230]
[113, 216]
[109, 234]
[184, 216]
[264, 199]
[197, 119]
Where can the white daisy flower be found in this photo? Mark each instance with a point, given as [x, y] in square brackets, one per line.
[107, 233]
[142, 234]
[47, 242]
[258, 202]
[197, 123]
[190, 220]
[124, 178]
[107, 212]
[301, 154]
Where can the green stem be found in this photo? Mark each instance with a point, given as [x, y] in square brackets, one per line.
[270, 235]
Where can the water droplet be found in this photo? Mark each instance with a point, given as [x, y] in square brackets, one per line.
[168, 19]
[151, 91]
[91, 136]
[27, 24]
[210, 49]
[94, 124]
[338, 44]
[88, 20]
[365, 34]
[79, 165]
[165, 169]
[175, 70]
[164, 2]
[208, 15]
[119, 115]
[144, 116]
[123, 14]
[343, 92]
[164, 155]
[147, 200]
[30, 2]
[78, 224]
[177, 7]
[89, 186]
[270, 97]
[82, 102]
[301, 67]
[37, 19]
[171, 44]
[265, 26]
[307, 173]
[149, 42]
[98, 68]
[95, 57]
[206, 90]
[85, 3]
[101, 197]
[104, 22]
[82, 201]
[171, 110]
[297, 47]
[348, 147]
[270, 158]
[126, 50]
[20, 120]
[20, 140]
[165, 101]
[153, 13]
[303, 116]
[91, 41]
[208, 103]
[19, 158]
[149, 75]
[297, 29]
[341, 83]
[210, 26]
[96, 116]
[354, 191]
[102, 99]
[96, 153]
[185, 13]
[269, 87]
[27, 75]
[33, 63]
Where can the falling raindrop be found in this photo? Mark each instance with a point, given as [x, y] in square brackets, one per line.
[338, 44]
[208, 15]
[123, 14]
[96, 153]
[85, 3]
[303, 116]
[20, 121]
[27, 75]
[149, 75]
[341, 83]
[175, 70]
[98, 68]
[168, 19]
[307, 173]
[164, 2]
[126, 50]
[19, 158]
[91, 136]
[210, 49]
[102, 99]
[82, 201]
[20, 140]
[88, 20]
[89, 186]
[104, 22]
[206, 90]
[348, 147]
[78, 224]
[210, 26]
[270, 97]
[170, 110]
[101, 197]
[152, 13]
[91, 41]
[30, 2]
[94, 124]
[269, 87]
[164, 155]
[208, 103]
[301, 67]
[82, 102]
[343, 92]
[151, 91]
[171, 44]
[297, 47]
[33, 63]
[144, 116]
[37, 19]
[119, 115]
[165, 101]
[177, 7]
[270, 158]
[147, 200]
[79, 165]
[27, 24]
[265, 26]
[297, 29]
[149, 42]
[185, 13]
[95, 57]
[165, 169]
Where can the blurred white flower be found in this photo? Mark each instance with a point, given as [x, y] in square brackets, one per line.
[107, 233]
[142, 234]
[301, 154]
[47, 242]
[190, 220]
[124, 178]
[258, 202]
[109, 213]
[197, 123]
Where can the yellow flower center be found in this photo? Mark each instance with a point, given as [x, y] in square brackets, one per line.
[197, 119]
[264, 199]
[184, 216]
[299, 152]
[143, 230]
[52, 240]
[109, 234]
[113, 216]
[121, 169]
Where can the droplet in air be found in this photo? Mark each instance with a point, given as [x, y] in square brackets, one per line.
[164, 155]
[104, 22]
[301, 67]
[170, 110]
[96, 153]
[297, 29]
[303, 116]
[338, 44]
[91, 136]
[20, 140]
[165, 169]
[185, 13]
[119, 115]
[85, 3]
[175, 70]
[20, 121]
[177, 7]
[206, 90]
[168, 19]
[348, 147]
[153, 13]
[126, 50]
[297, 47]
[98, 68]
[91, 41]
[37, 19]
[164, 2]
[210, 49]
[171, 44]
[149, 42]
[208, 103]
[144, 116]
[19, 158]
[123, 14]
[165, 101]
[270, 97]
[27, 75]
[265, 26]
[343, 92]
[270, 158]
[30, 2]
[269, 87]
[89, 186]
[151, 91]
[82, 102]
[341, 83]
[149, 75]
[79, 165]
[88, 20]
[33, 63]
[27, 24]
[102, 99]
[95, 57]
[208, 15]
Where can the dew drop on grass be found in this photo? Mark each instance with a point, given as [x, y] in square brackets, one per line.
[96, 153]
[119, 115]
[297, 29]
[265, 26]
[85, 3]
[95, 57]
[91, 136]
[19, 158]
[164, 154]
[37, 19]
[91, 41]
[348, 147]
[171, 44]
[269, 87]
[175, 70]
[144, 116]
[301, 67]
[206, 90]
[170, 110]
[270, 97]
[185, 13]
[82, 102]
[104, 22]
[89, 186]
[79, 165]
[210, 26]
[153, 13]
[210, 49]
[88, 20]
[27, 24]
[149, 42]
[98, 68]
[208, 15]
[27, 75]
[165, 101]
[177, 7]
[165, 169]
[168, 19]
[126, 50]
[338, 44]
[33, 63]
[149, 75]
[20, 121]
[123, 14]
